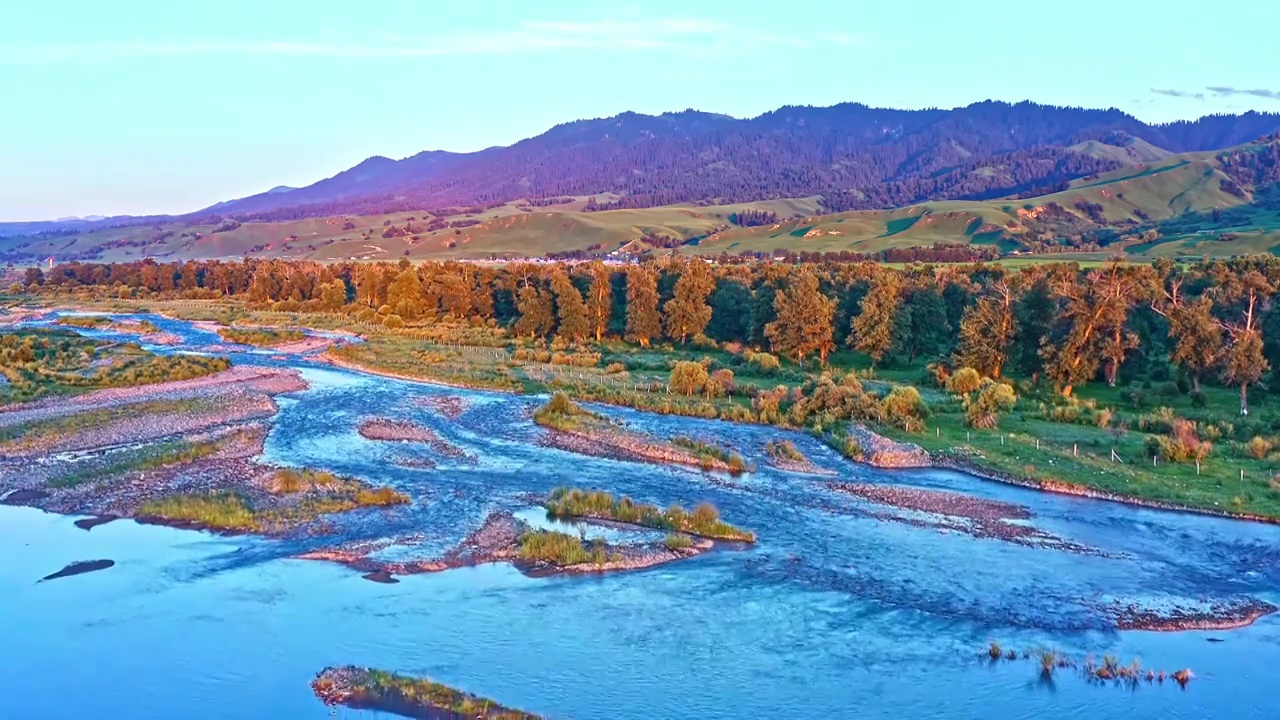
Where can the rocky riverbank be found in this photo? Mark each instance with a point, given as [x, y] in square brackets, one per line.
[882, 452]
[965, 514]
[964, 464]
[1209, 615]
[627, 557]
[620, 444]
[496, 540]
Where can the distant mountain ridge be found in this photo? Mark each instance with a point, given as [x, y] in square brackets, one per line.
[853, 156]
[849, 151]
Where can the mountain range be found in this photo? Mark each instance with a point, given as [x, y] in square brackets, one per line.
[850, 156]
[857, 157]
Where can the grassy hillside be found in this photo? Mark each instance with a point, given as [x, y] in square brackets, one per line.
[1181, 197]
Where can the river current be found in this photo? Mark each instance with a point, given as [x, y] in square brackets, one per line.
[835, 613]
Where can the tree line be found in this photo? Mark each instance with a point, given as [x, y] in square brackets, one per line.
[1214, 321]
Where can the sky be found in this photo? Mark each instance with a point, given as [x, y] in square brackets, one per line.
[140, 107]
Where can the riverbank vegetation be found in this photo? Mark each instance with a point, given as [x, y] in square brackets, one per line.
[300, 497]
[367, 688]
[36, 363]
[103, 322]
[703, 520]
[259, 337]
[33, 433]
[709, 454]
[561, 413]
[560, 549]
[1141, 381]
[152, 457]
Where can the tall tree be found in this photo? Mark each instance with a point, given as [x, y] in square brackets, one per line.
[687, 312]
[1196, 334]
[1071, 353]
[987, 330]
[872, 329]
[570, 309]
[803, 325]
[600, 299]
[536, 317]
[405, 295]
[731, 311]
[928, 330]
[1244, 286]
[643, 321]
[1115, 290]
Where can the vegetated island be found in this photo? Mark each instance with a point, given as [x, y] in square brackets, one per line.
[784, 455]
[260, 337]
[180, 453]
[703, 521]
[576, 429]
[370, 689]
[40, 363]
[145, 329]
[504, 538]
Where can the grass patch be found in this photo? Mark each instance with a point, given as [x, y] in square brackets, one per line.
[560, 549]
[704, 520]
[784, 450]
[220, 511]
[43, 363]
[162, 455]
[305, 495]
[260, 337]
[710, 454]
[561, 413]
[32, 433]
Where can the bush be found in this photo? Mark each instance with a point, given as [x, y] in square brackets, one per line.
[904, 407]
[964, 382]
[677, 541]
[1258, 447]
[688, 377]
[764, 363]
[1183, 444]
[1199, 399]
[983, 411]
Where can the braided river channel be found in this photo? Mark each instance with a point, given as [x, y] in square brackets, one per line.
[840, 610]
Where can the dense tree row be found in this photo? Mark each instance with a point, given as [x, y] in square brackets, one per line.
[1051, 322]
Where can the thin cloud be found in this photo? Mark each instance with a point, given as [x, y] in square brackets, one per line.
[1178, 94]
[1227, 91]
[527, 37]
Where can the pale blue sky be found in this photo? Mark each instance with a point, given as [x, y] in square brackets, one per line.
[141, 107]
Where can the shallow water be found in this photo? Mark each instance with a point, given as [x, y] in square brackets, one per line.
[833, 614]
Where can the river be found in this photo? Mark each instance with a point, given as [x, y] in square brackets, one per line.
[834, 613]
